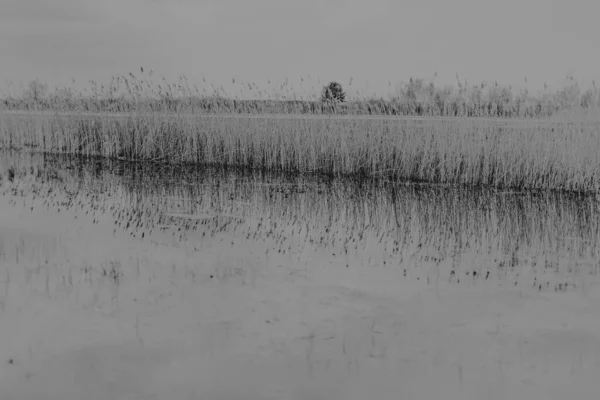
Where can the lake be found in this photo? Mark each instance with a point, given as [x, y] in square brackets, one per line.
[325, 284]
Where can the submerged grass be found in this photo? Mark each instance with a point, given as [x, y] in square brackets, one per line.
[559, 154]
[418, 229]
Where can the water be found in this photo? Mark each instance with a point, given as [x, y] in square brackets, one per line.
[126, 280]
[543, 240]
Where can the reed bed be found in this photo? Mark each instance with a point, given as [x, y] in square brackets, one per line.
[423, 226]
[143, 92]
[523, 155]
[133, 118]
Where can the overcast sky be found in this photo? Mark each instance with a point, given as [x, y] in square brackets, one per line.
[375, 42]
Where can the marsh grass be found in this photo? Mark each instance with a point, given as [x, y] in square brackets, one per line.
[426, 232]
[135, 118]
[524, 155]
[145, 92]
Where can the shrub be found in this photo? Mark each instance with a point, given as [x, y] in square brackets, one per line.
[333, 93]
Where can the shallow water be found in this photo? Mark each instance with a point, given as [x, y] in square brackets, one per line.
[541, 239]
[140, 282]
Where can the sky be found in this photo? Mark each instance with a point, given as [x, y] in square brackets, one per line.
[370, 47]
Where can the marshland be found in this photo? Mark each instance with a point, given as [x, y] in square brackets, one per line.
[169, 124]
[164, 243]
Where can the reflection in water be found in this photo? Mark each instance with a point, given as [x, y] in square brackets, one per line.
[464, 231]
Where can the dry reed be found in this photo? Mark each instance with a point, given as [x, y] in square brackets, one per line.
[523, 155]
[160, 125]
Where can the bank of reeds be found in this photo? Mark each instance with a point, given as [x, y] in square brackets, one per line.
[143, 93]
[133, 118]
[517, 154]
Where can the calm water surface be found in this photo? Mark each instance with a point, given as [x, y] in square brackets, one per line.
[541, 239]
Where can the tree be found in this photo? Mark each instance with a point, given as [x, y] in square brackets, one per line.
[333, 93]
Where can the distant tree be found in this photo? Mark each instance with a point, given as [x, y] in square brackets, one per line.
[333, 93]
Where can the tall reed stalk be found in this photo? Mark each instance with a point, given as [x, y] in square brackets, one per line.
[519, 154]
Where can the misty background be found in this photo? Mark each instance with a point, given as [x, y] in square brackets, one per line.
[379, 44]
